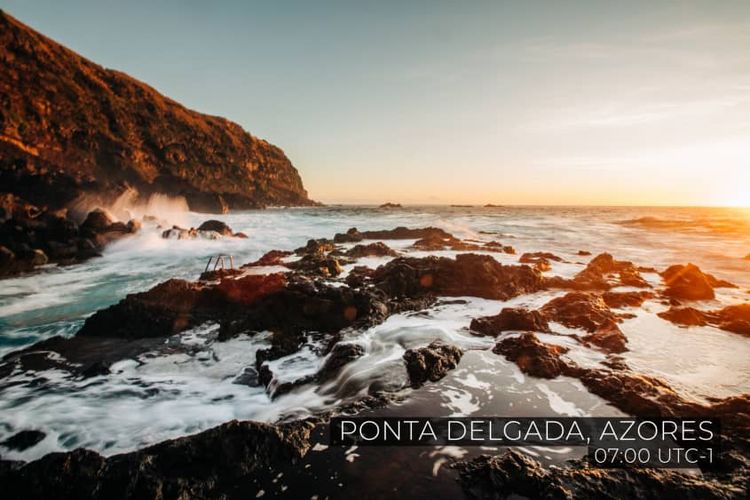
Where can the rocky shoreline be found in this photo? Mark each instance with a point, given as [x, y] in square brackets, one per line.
[314, 294]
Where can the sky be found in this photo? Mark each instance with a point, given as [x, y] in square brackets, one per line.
[506, 102]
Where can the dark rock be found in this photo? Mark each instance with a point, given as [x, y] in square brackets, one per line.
[358, 276]
[404, 233]
[219, 274]
[532, 258]
[341, 354]
[377, 249]
[207, 203]
[23, 440]
[249, 377]
[210, 464]
[580, 310]
[602, 273]
[316, 247]
[96, 369]
[589, 312]
[216, 226]
[499, 247]
[532, 356]
[317, 264]
[583, 253]
[97, 221]
[390, 205]
[467, 274]
[510, 318]
[351, 236]
[431, 363]
[515, 475]
[688, 282]
[734, 318]
[271, 258]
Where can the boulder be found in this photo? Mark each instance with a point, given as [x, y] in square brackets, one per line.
[216, 226]
[510, 318]
[467, 274]
[532, 356]
[688, 282]
[431, 363]
[341, 354]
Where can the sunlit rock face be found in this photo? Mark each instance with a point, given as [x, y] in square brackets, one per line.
[70, 126]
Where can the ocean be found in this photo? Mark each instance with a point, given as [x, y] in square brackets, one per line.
[167, 394]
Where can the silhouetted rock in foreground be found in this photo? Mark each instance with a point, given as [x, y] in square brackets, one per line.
[227, 460]
[516, 475]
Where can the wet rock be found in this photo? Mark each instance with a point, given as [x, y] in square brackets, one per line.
[437, 242]
[405, 233]
[583, 253]
[351, 236]
[316, 247]
[34, 238]
[210, 464]
[496, 246]
[219, 274]
[515, 475]
[467, 274]
[532, 356]
[180, 233]
[96, 369]
[589, 312]
[534, 257]
[431, 363]
[620, 300]
[23, 440]
[734, 318]
[216, 226]
[583, 310]
[271, 258]
[249, 377]
[97, 221]
[305, 305]
[510, 318]
[688, 282]
[377, 249]
[317, 264]
[359, 276]
[341, 354]
[685, 316]
[166, 309]
[602, 273]
[390, 205]
[608, 337]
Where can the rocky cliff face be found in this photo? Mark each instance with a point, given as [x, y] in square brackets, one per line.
[69, 126]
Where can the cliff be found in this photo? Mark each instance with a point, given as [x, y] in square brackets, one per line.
[69, 126]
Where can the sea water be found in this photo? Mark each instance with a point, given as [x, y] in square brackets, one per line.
[159, 396]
